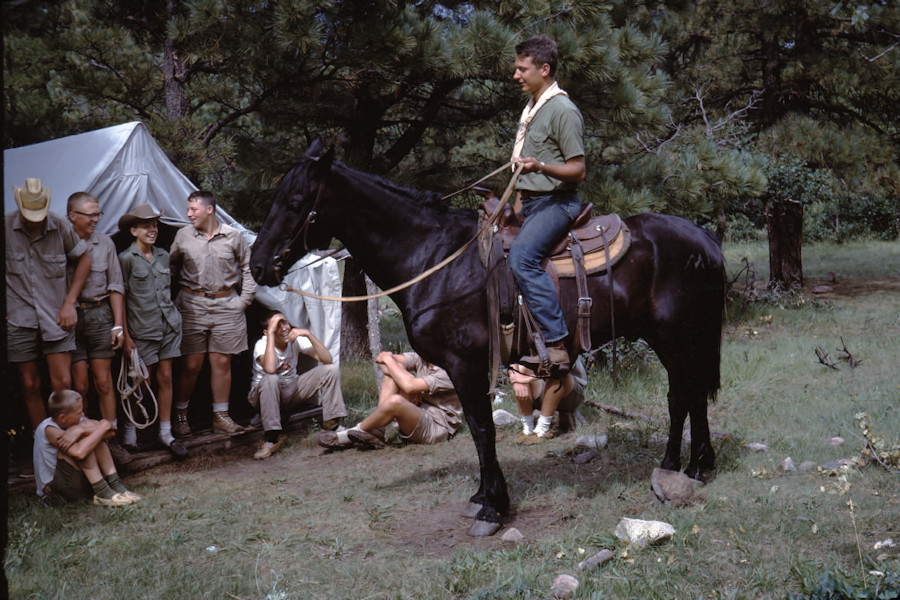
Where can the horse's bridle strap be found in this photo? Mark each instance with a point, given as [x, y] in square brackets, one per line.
[487, 225]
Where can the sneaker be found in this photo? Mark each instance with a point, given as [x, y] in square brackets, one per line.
[176, 448]
[116, 500]
[366, 439]
[329, 439]
[267, 449]
[222, 423]
[180, 426]
[133, 496]
[120, 455]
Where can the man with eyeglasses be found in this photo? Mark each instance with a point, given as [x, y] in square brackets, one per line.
[101, 315]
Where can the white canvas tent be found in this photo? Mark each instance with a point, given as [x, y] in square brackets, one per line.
[123, 166]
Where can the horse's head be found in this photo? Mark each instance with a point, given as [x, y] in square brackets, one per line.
[290, 230]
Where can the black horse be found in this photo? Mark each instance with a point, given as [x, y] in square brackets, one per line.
[668, 290]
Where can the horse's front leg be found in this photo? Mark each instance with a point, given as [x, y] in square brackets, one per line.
[678, 411]
[703, 458]
[492, 498]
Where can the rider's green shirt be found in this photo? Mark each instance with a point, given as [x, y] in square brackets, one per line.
[555, 135]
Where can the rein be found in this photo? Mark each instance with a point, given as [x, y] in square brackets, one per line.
[488, 224]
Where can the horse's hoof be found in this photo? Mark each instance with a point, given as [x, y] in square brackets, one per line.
[471, 510]
[483, 528]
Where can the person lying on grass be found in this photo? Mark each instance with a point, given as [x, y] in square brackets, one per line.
[71, 458]
[417, 395]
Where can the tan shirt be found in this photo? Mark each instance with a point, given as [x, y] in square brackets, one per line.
[36, 282]
[215, 264]
[440, 400]
[106, 274]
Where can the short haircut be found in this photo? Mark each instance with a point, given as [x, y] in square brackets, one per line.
[62, 402]
[79, 199]
[204, 196]
[268, 317]
[542, 51]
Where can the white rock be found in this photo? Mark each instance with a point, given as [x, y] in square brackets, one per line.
[888, 543]
[596, 560]
[756, 447]
[808, 465]
[788, 466]
[512, 535]
[643, 533]
[834, 442]
[504, 417]
[563, 586]
[592, 441]
[672, 487]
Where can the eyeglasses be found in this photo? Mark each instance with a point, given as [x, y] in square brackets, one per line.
[95, 215]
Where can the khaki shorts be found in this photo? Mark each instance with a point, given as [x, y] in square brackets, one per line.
[24, 344]
[428, 430]
[94, 332]
[212, 324]
[69, 483]
[153, 351]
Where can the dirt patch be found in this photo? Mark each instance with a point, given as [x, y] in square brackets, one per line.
[854, 287]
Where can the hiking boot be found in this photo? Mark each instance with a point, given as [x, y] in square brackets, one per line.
[534, 439]
[222, 423]
[116, 500]
[267, 449]
[176, 448]
[366, 439]
[329, 439]
[120, 455]
[180, 426]
[559, 362]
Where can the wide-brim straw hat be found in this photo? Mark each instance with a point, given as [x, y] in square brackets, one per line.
[33, 200]
[141, 212]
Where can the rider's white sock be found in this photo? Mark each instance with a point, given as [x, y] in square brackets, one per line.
[129, 437]
[165, 432]
[543, 425]
[527, 424]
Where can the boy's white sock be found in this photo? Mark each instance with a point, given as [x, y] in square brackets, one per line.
[165, 432]
[129, 437]
[220, 407]
[543, 425]
[527, 424]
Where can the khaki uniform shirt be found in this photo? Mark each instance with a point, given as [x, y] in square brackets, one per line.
[106, 275]
[148, 299]
[440, 400]
[36, 282]
[214, 265]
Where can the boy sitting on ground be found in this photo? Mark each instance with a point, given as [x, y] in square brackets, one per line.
[71, 458]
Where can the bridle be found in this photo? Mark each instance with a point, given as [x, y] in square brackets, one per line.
[304, 228]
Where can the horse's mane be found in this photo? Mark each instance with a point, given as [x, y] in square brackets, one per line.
[424, 199]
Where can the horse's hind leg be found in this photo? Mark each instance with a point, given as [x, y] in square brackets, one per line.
[703, 458]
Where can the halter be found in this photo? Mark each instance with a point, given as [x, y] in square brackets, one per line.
[304, 228]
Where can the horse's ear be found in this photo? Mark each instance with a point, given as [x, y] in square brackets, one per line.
[315, 149]
[321, 165]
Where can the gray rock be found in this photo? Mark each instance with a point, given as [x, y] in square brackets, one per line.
[672, 487]
[840, 464]
[563, 586]
[756, 447]
[788, 466]
[822, 289]
[640, 533]
[587, 456]
[596, 560]
[834, 442]
[808, 465]
[592, 441]
[504, 417]
[512, 535]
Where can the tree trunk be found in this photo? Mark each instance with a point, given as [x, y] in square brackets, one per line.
[354, 315]
[784, 222]
[174, 71]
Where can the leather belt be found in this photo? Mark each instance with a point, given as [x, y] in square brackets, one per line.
[203, 294]
[92, 304]
[532, 194]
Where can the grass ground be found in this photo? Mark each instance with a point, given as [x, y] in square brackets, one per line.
[384, 525]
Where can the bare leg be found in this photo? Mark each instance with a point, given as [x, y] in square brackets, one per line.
[60, 367]
[191, 366]
[101, 370]
[393, 407]
[164, 389]
[220, 377]
[80, 378]
[31, 389]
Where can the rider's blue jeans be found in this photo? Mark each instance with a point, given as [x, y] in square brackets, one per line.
[547, 220]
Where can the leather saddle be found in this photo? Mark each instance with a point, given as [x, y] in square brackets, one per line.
[595, 235]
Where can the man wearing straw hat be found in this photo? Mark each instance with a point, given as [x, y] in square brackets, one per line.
[40, 307]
